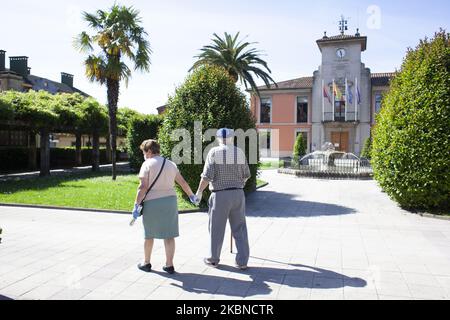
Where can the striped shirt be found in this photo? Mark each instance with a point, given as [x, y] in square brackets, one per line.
[226, 168]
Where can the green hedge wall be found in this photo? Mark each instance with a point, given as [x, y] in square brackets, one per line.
[16, 159]
[13, 159]
[411, 146]
[208, 95]
[367, 148]
[141, 128]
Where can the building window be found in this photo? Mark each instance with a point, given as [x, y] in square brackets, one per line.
[339, 111]
[265, 143]
[266, 110]
[265, 140]
[302, 110]
[378, 101]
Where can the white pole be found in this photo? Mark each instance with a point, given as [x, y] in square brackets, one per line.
[356, 99]
[332, 101]
[323, 100]
[346, 98]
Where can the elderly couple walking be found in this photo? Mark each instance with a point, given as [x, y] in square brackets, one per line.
[225, 171]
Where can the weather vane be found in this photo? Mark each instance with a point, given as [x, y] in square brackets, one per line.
[343, 25]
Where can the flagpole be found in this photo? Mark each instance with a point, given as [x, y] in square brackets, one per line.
[356, 100]
[323, 100]
[332, 102]
[346, 98]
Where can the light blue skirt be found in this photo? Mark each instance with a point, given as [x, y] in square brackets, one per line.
[160, 218]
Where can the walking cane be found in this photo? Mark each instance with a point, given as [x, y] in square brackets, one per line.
[231, 243]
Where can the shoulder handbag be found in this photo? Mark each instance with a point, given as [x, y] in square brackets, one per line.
[141, 205]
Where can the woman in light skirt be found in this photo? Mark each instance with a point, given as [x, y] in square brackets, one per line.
[160, 210]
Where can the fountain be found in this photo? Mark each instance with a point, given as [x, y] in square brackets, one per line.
[330, 162]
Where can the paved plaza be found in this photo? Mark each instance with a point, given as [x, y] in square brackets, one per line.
[309, 239]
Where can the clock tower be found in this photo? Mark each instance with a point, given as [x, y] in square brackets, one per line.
[341, 92]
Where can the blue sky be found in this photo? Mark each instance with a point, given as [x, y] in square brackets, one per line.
[285, 30]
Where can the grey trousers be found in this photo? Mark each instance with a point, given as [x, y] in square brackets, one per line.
[223, 206]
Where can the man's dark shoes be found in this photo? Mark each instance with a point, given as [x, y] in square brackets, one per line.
[145, 267]
[209, 263]
[169, 270]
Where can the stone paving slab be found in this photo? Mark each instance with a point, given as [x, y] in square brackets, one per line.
[309, 239]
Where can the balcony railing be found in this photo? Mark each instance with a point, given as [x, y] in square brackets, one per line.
[340, 117]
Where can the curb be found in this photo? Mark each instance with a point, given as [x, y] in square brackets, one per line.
[326, 176]
[433, 216]
[15, 205]
[262, 186]
[35, 206]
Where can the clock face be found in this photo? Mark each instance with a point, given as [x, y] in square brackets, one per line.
[341, 53]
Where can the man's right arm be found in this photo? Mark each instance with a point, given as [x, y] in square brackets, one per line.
[208, 174]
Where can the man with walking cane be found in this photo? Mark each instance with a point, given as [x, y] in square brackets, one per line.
[226, 171]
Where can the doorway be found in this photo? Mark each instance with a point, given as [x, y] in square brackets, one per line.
[340, 140]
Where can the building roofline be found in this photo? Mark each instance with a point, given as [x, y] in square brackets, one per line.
[341, 38]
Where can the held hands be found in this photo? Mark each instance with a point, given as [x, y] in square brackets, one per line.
[199, 196]
[194, 200]
[135, 211]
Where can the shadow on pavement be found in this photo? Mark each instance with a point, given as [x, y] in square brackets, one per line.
[259, 279]
[282, 205]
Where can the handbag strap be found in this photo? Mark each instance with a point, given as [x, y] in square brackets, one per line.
[154, 181]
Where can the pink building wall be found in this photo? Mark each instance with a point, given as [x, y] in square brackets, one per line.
[284, 119]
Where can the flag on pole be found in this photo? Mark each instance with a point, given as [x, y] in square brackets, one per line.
[349, 93]
[337, 92]
[326, 95]
[358, 95]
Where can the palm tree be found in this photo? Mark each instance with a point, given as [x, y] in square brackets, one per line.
[237, 58]
[118, 34]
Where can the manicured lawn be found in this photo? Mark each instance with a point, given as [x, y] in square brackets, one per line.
[260, 182]
[93, 191]
[271, 165]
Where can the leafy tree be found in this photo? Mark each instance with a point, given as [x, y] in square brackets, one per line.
[411, 145]
[119, 35]
[367, 148]
[95, 121]
[299, 147]
[210, 96]
[237, 58]
[32, 108]
[124, 118]
[6, 109]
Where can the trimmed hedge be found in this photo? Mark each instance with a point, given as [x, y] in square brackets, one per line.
[13, 159]
[16, 159]
[299, 149]
[141, 128]
[411, 146]
[208, 95]
[367, 148]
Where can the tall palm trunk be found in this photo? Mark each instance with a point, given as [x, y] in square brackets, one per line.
[113, 97]
[108, 147]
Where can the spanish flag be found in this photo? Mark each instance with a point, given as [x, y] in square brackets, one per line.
[337, 92]
[326, 95]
